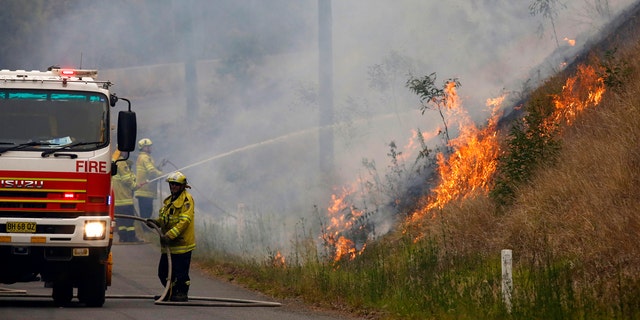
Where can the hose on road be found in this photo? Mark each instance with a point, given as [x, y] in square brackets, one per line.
[193, 301]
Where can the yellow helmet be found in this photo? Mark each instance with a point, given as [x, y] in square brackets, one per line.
[144, 142]
[177, 177]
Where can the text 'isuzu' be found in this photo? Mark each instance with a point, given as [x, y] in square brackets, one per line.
[56, 200]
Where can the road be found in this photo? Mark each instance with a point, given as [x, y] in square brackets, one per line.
[131, 296]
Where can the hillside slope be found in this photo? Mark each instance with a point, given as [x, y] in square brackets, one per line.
[574, 225]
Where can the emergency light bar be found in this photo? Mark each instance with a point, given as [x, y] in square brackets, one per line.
[78, 73]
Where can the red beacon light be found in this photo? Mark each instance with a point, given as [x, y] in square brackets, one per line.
[67, 72]
[78, 73]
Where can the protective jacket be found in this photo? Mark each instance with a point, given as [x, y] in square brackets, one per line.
[124, 182]
[146, 171]
[176, 222]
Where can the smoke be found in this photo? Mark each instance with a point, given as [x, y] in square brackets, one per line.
[249, 146]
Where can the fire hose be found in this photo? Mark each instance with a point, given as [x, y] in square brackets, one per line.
[202, 301]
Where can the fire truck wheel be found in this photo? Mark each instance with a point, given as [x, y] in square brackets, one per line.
[91, 290]
[62, 292]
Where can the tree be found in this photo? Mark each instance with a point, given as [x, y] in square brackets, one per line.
[549, 10]
[430, 95]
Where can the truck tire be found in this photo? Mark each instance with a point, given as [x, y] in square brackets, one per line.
[93, 286]
[62, 292]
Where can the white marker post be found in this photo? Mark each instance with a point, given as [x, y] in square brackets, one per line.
[507, 278]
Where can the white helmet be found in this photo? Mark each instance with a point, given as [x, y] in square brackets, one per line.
[144, 142]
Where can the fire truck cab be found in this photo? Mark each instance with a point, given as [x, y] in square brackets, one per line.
[56, 201]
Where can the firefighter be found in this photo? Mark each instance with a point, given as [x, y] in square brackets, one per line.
[146, 171]
[176, 223]
[124, 183]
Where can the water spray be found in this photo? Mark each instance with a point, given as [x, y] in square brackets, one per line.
[234, 151]
[277, 139]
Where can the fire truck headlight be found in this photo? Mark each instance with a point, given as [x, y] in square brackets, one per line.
[95, 230]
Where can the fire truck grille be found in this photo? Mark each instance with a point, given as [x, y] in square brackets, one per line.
[37, 200]
[22, 194]
[52, 215]
[16, 205]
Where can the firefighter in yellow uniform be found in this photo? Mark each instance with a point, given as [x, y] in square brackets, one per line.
[124, 183]
[146, 171]
[176, 223]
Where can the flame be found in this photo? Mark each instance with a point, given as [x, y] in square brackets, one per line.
[278, 261]
[495, 102]
[345, 247]
[345, 218]
[470, 168]
[342, 219]
[454, 106]
[571, 42]
[453, 100]
[582, 91]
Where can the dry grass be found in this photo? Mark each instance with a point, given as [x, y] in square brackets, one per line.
[586, 205]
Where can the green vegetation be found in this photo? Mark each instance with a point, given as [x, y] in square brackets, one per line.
[432, 96]
[528, 147]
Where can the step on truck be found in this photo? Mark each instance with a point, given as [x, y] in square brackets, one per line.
[56, 200]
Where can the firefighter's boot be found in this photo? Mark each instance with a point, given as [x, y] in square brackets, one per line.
[131, 236]
[123, 235]
[180, 292]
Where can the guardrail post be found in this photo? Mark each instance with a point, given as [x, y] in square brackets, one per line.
[507, 278]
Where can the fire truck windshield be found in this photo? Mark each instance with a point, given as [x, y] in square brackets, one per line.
[42, 119]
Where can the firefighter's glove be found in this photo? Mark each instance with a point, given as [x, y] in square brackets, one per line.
[152, 223]
[164, 239]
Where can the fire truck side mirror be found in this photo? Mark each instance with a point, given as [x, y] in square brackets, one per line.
[127, 129]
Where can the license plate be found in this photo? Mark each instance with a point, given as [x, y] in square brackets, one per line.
[21, 227]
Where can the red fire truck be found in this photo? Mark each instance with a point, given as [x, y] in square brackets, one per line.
[56, 201]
